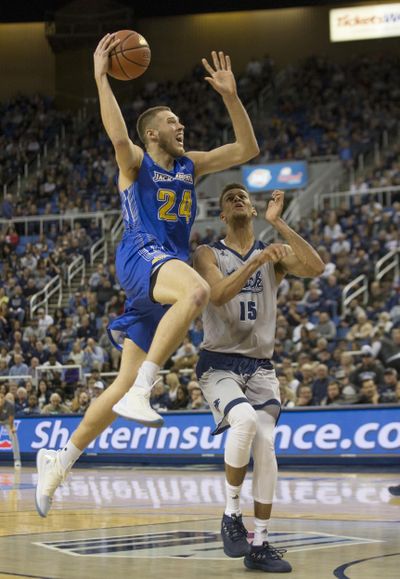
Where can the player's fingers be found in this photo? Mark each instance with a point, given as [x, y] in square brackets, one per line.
[109, 42]
[222, 60]
[113, 44]
[103, 40]
[228, 62]
[215, 60]
[207, 66]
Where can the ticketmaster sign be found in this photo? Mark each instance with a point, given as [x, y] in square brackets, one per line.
[275, 176]
[363, 22]
[324, 433]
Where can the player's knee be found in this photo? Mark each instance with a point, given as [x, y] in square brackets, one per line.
[243, 418]
[200, 294]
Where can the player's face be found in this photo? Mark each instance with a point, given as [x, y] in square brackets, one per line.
[170, 133]
[236, 204]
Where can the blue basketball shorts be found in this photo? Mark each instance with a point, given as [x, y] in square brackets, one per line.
[141, 317]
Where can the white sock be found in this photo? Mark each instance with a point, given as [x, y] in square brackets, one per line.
[260, 531]
[147, 375]
[232, 499]
[69, 455]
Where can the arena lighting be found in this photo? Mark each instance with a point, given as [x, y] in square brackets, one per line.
[364, 22]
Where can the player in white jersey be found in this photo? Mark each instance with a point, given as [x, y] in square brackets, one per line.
[234, 368]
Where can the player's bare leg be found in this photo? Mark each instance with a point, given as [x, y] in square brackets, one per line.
[53, 466]
[179, 285]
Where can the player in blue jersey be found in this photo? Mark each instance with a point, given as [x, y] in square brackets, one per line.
[158, 204]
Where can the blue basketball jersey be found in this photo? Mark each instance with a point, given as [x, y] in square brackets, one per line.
[160, 206]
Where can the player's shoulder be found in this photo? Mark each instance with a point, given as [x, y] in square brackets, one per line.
[205, 252]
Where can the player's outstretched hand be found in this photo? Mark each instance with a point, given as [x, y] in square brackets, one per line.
[220, 77]
[275, 206]
[274, 252]
[101, 54]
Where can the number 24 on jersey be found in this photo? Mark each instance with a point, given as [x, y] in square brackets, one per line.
[167, 211]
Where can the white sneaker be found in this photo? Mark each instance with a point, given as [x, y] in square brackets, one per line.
[17, 464]
[50, 476]
[135, 405]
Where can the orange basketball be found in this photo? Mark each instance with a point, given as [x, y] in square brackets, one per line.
[131, 57]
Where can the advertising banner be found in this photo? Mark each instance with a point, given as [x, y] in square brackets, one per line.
[363, 22]
[353, 431]
[290, 175]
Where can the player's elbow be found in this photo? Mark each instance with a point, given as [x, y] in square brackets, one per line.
[217, 299]
[317, 270]
[120, 142]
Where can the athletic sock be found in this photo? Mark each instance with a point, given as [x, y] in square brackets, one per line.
[260, 531]
[69, 455]
[232, 499]
[147, 375]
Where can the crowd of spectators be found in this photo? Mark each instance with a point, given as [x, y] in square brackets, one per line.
[323, 354]
[319, 108]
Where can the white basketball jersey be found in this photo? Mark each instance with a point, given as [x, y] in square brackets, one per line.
[246, 324]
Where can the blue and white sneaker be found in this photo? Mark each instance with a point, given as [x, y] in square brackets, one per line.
[268, 559]
[234, 536]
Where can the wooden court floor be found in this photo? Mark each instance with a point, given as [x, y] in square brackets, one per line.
[162, 523]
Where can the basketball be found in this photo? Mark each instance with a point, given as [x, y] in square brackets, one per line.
[131, 58]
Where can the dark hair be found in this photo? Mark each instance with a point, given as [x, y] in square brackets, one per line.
[145, 119]
[228, 187]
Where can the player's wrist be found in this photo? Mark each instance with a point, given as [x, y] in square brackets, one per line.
[230, 97]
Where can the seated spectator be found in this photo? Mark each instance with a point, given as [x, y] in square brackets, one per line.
[159, 398]
[93, 357]
[55, 406]
[186, 356]
[80, 403]
[77, 353]
[387, 389]
[341, 246]
[320, 384]
[287, 394]
[368, 392]
[304, 396]
[21, 401]
[369, 368]
[44, 321]
[43, 393]
[362, 330]
[325, 328]
[181, 400]
[306, 374]
[33, 406]
[18, 304]
[333, 395]
[304, 323]
[348, 391]
[347, 363]
[19, 368]
[196, 400]
[4, 370]
[96, 391]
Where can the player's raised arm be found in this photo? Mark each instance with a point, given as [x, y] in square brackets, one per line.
[303, 260]
[224, 288]
[128, 155]
[245, 147]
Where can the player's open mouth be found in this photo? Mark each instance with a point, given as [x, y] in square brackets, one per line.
[179, 138]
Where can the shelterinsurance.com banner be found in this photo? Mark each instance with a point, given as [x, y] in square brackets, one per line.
[336, 432]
